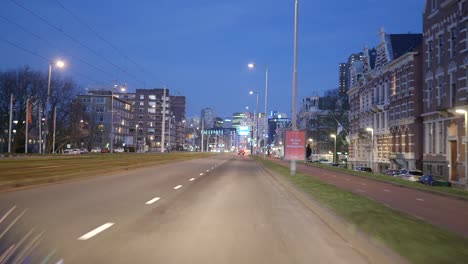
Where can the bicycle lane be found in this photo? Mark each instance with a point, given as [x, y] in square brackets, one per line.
[445, 212]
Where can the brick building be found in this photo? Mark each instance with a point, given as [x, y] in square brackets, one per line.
[445, 88]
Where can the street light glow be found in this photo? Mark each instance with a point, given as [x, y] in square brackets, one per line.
[122, 89]
[310, 140]
[251, 65]
[60, 64]
[333, 135]
[370, 129]
[251, 92]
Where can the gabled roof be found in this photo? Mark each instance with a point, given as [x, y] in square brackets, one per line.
[403, 43]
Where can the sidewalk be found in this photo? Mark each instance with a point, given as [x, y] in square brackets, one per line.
[445, 212]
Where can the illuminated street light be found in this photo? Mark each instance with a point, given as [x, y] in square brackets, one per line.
[60, 64]
[251, 65]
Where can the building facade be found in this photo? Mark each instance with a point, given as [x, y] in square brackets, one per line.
[384, 108]
[445, 49]
[98, 112]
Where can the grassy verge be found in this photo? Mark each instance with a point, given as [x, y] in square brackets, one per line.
[23, 171]
[456, 192]
[412, 238]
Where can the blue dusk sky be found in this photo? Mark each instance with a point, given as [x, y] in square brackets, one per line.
[200, 48]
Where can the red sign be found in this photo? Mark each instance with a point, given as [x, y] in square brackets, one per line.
[295, 145]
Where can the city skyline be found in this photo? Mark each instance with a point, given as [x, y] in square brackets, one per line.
[220, 45]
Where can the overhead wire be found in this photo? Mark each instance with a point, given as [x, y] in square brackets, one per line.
[75, 40]
[43, 58]
[55, 46]
[81, 21]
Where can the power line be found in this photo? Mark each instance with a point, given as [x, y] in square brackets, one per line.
[55, 46]
[42, 57]
[98, 35]
[75, 40]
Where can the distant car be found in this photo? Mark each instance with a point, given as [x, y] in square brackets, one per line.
[96, 150]
[365, 169]
[106, 150]
[119, 150]
[392, 172]
[83, 151]
[410, 175]
[427, 179]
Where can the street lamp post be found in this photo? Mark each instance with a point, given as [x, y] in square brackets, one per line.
[370, 129]
[265, 128]
[59, 64]
[136, 139]
[255, 117]
[465, 113]
[334, 149]
[294, 86]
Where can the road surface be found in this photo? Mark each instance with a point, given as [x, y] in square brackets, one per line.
[222, 209]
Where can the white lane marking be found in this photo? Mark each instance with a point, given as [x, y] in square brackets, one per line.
[192, 179]
[177, 187]
[361, 191]
[363, 184]
[212, 168]
[201, 174]
[95, 231]
[348, 179]
[207, 170]
[419, 199]
[152, 201]
[7, 213]
[387, 190]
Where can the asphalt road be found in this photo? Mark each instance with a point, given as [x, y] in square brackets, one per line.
[446, 212]
[222, 209]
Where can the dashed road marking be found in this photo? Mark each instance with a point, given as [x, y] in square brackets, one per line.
[419, 199]
[177, 187]
[207, 170]
[387, 190]
[192, 179]
[201, 174]
[363, 184]
[95, 231]
[348, 179]
[152, 201]
[361, 191]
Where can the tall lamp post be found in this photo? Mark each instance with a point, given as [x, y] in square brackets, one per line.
[265, 132]
[465, 113]
[334, 148]
[255, 117]
[58, 64]
[294, 86]
[371, 130]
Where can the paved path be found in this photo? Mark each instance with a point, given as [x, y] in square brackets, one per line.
[446, 212]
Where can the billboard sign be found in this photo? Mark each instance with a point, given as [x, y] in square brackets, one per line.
[295, 145]
[244, 130]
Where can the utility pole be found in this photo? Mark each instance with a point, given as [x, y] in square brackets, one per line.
[265, 127]
[27, 128]
[294, 88]
[163, 130]
[202, 134]
[55, 127]
[112, 119]
[40, 128]
[10, 124]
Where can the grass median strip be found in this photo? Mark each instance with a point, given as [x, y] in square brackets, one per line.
[412, 238]
[450, 191]
[32, 170]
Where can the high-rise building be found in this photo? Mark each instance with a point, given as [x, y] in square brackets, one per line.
[94, 118]
[208, 118]
[345, 77]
